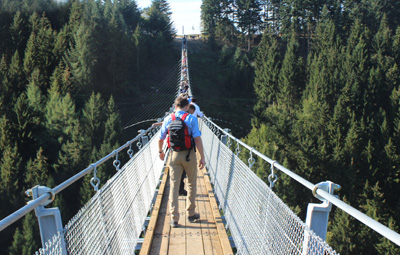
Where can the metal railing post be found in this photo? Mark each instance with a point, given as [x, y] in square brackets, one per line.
[224, 138]
[145, 138]
[49, 219]
[318, 214]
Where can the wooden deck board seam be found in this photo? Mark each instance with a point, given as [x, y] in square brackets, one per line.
[148, 239]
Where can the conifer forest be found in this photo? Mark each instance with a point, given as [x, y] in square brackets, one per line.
[312, 84]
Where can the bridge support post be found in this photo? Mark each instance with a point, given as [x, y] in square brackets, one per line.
[50, 223]
[224, 138]
[318, 215]
[145, 138]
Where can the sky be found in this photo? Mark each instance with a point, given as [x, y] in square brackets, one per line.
[185, 13]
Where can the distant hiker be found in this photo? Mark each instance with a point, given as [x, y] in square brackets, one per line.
[192, 109]
[184, 137]
[197, 113]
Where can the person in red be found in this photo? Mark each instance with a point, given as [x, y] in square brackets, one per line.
[184, 138]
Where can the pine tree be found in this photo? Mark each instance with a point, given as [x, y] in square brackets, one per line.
[38, 53]
[11, 175]
[5, 133]
[34, 94]
[374, 206]
[17, 30]
[37, 171]
[34, 22]
[93, 118]
[15, 77]
[82, 59]
[267, 68]
[248, 17]
[140, 49]
[290, 76]
[60, 114]
[113, 124]
[30, 231]
[158, 20]
[342, 233]
[17, 244]
[210, 15]
[26, 123]
[385, 246]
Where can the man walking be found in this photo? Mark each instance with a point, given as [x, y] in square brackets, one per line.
[184, 138]
[197, 112]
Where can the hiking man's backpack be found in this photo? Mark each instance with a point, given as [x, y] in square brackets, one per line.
[178, 134]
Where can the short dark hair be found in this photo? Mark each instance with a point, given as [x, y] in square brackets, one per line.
[181, 101]
[192, 107]
[194, 100]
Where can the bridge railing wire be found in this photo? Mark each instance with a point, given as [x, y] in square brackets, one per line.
[259, 221]
[112, 221]
[233, 141]
[163, 95]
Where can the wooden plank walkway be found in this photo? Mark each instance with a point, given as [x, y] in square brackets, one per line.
[206, 236]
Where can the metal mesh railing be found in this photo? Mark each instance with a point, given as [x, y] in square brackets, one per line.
[111, 222]
[260, 223]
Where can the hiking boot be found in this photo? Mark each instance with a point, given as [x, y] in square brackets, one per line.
[193, 217]
[174, 224]
[182, 193]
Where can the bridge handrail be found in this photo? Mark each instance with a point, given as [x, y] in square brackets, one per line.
[363, 218]
[7, 221]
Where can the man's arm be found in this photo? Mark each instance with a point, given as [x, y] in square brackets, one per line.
[160, 149]
[199, 146]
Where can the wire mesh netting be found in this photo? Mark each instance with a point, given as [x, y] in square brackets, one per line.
[111, 222]
[259, 221]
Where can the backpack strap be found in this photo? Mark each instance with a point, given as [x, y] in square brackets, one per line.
[173, 117]
[184, 116]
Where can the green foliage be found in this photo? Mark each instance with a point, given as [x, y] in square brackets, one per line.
[328, 109]
[210, 15]
[54, 56]
[93, 118]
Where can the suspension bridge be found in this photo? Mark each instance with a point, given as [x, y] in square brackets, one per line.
[239, 212]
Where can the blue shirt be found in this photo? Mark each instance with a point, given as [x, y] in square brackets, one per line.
[190, 121]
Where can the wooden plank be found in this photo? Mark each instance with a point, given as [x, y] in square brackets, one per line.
[154, 216]
[194, 239]
[177, 237]
[210, 237]
[162, 231]
[225, 244]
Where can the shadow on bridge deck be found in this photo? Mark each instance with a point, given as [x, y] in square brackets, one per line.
[206, 236]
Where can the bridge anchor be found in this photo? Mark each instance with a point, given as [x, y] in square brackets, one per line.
[318, 214]
[49, 219]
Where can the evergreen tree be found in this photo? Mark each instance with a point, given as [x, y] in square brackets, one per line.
[27, 124]
[291, 76]
[113, 124]
[158, 20]
[140, 49]
[267, 68]
[343, 233]
[81, 58]
[18, 243]
[30, 232]
[93, 119]
[5, 133]
[37, 171]
[17, 31]
[210, 15]
[248, 17]
[15, 79]
[11, 176]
